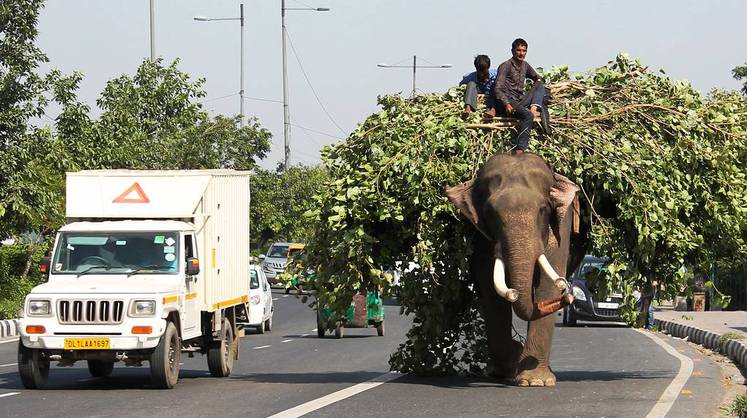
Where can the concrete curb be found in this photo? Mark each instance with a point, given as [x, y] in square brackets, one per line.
[8, 328]
[735, 349]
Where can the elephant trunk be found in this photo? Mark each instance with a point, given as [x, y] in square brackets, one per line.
[521, 272]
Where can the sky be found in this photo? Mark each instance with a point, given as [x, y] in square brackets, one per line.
[333, 78]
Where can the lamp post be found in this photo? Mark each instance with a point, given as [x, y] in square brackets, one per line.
[152, 31]
[241, 70]
[414, 67]
[286, 111]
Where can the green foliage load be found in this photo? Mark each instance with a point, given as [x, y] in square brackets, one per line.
[662, 171]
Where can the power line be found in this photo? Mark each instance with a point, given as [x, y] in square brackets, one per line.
[316, 132]
[311, 86]
[260, 99]
[218, 98]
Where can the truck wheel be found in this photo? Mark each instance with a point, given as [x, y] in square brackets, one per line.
[164, 360]
[339, 330]
[380, 329]
[220, 354]
[33, 366]
[268, 324]
[261, 328]
[100, 368]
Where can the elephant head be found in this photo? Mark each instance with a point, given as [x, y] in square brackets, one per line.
[526, 212]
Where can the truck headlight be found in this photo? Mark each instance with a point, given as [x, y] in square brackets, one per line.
[255, 300]
[38, 308]
[143, 308]
[578, 293]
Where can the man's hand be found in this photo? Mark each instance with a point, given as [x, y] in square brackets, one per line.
[509, 109]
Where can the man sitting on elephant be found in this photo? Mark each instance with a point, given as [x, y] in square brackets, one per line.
[480, 81]
[512, 101]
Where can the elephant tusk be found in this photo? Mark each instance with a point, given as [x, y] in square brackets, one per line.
[499, 282]
[560, 282]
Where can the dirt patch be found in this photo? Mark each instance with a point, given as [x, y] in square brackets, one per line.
[732, 379]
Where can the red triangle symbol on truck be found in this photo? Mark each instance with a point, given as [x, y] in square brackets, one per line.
[133, 194]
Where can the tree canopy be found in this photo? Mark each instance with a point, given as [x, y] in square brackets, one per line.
[740, 73]
[662, 172]
[279, 200]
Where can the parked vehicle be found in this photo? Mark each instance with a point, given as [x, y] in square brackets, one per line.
[260, 301]
[273, 263]
[588, 305]
[151, 264]
[364, 311]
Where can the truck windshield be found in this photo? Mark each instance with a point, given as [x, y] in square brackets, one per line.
[116, 252]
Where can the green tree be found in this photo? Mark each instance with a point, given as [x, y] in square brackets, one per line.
[280, 199]
[26, 172]
[740, 73]
[153, 120]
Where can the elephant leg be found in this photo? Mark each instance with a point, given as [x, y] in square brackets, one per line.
[503, 349]
[534, 362]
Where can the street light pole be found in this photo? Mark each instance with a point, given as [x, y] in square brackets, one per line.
[286, 110]
[152, 31]
[414, 67]
[241, 65]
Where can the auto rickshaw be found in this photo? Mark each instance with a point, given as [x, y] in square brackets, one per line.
[364, 311]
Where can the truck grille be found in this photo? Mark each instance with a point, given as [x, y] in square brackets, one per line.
[90, 311]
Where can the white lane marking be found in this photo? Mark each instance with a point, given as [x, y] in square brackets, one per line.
[314, 330]
[286, 341]
[319, 403]
[285, 296]
[8, 365]
[9, 341]
[5, 395]
[304, 335]
[665, 402]
[261, 347]
[274, 298]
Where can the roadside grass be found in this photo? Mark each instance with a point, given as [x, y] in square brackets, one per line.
[729, 336]
[738, 408]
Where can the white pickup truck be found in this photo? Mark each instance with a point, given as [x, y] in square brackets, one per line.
[150, 265]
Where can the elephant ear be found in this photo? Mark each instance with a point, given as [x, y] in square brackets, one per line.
[462, 197]
[564, 198]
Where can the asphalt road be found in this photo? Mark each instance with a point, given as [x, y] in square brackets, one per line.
[603, 370]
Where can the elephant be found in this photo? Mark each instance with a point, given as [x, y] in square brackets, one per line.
[527, 222]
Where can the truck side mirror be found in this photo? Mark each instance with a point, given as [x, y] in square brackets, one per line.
[193, 266]
[44, 266]
[262, 256]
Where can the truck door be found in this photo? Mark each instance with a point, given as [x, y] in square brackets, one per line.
[191, 314]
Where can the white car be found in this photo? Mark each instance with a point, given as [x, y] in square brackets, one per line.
[260, 300]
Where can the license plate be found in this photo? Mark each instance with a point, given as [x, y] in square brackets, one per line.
[608, 305]
[86, 343]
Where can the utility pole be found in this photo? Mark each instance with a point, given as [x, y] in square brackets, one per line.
[286, 111]
[152, 30]
[414, 67]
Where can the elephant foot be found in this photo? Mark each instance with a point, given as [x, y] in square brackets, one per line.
[541, 376]
[507, 367]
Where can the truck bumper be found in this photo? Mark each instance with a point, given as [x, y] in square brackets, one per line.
[55, 335]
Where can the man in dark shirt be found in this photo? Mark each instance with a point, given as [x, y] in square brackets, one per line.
[509, 92]
[480, 81]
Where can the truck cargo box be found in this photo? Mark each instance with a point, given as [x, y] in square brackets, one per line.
[216, 201]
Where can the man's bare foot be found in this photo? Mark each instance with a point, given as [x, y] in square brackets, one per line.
[535, 111]
[466, 111]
